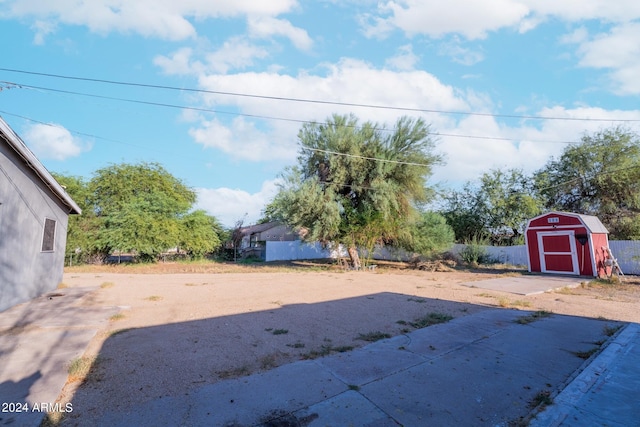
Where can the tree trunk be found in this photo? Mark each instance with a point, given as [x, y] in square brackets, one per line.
[355, 258]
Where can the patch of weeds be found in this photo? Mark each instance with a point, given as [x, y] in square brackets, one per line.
[107, 285]
[542, 398]
[80, 368]
[537, 315]
[613, 280]
[566, 291]
[154, 298]
[326, 350]
[268, 329]
[611, 330]
[418, 300]
[116, 317]
[504, 302]
[521, 303]
[586, 354]
[278, 303]
[354, 387]
[52, 419]
[485, 295]
[280, 331]
[191, 284]
[119, 331]
[233, 373]
[373, 336]
[268, 362]
[430, 319]
[402, 322]
[296, 345]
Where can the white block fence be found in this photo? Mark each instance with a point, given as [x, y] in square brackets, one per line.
[627, 252]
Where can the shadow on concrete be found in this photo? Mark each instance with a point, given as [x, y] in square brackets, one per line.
[160, 363]
[38, 340]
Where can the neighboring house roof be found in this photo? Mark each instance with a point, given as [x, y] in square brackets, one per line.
[270, 231]
[258, 228]
[16, 143]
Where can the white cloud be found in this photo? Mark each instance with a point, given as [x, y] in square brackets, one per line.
[460, 54]
[470, 18]
[474, 20]
[349, 81]
[179, 63]
[243, 140]
[235, 53]
[167, 19]
[230, 205]
[404, 60]
[619, 51]
[528, 146]
[267, 26]
[53, 142]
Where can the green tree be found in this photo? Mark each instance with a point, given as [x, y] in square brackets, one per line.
[430, 235]
[356, 185]
[200, 234]
[497, 207]
[138, 208]
[599, 176]
[82, 230]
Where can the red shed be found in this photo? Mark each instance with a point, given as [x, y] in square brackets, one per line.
[567, 243]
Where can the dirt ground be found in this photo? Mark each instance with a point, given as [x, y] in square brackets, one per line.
[182, 326]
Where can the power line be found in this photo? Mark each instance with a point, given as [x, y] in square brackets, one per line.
[315, 101]
[88, 135]
[304, 147]
[597, 174]
[14, 85]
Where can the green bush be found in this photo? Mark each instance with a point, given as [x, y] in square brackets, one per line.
[474, 252]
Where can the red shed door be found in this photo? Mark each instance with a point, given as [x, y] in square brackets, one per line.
[558, 252]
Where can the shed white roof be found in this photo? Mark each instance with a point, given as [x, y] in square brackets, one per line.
[18, 145]
[593, 223]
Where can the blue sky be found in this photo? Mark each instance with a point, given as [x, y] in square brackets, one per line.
[575, 63]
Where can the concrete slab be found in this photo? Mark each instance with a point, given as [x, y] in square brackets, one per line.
[437, 340]
[488, 375]
[244, 401]
[372, 362]
[347, 409]
[490, 381]
[606, 392]
[38, 340]
[528, 284]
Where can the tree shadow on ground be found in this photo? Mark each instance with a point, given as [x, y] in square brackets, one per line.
[159, 363]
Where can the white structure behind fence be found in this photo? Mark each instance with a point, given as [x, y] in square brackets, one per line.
[295, 250]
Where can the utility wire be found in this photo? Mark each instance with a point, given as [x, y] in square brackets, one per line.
[315, 101]
[13, 85]
[398, 162]
[327, 152]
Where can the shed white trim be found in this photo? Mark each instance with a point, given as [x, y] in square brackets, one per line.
[572, 247]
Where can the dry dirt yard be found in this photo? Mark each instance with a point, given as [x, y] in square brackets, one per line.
[182, 326]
